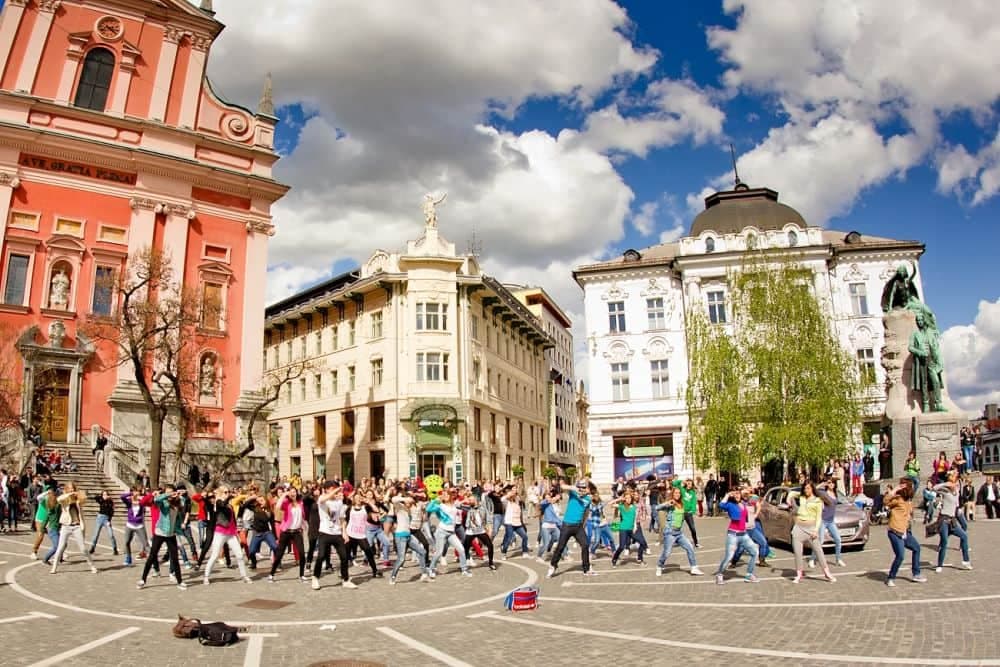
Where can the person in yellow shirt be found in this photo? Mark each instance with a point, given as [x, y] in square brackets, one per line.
[808, 518]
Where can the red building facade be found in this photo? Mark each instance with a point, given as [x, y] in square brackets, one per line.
[112, 141]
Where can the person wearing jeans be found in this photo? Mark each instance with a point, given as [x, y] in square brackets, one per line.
[404, 539]
[629, 528]
[106, 510]
[513, 524]
[736, 536]
[551, 523]
[444, 536]
[673, 534]
[71, 526]
[948, 492]
[828, 494]
[331, 533]
[225, 535]
[165, 530]
[897, 501]
[580, 498]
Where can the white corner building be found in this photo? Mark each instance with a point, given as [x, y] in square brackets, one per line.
[635, 309]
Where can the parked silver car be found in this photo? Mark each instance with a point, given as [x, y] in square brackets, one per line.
[777, 518]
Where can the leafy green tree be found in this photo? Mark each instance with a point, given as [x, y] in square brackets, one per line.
[775, 383]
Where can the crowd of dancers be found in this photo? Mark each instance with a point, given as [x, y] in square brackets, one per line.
[379, 526]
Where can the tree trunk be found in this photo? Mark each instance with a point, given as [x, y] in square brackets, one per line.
[155, 448]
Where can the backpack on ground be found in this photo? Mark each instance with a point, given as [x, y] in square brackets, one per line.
[217, 634]
[522, 599]
[186, 628]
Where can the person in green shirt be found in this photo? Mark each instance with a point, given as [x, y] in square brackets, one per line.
[54, 513]
[41, 519]
[689, 496]
[672, 533]
[627, 511]
[912, 469]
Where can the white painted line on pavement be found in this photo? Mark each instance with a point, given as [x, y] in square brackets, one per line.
[423, 648]
[89, 646]
[739, 650]
[255, 648]
[27, 617]
[709, 580]
[770, 605]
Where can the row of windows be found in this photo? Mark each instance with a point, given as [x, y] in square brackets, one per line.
[658, 374]
[656, 314]
[514, 348]
[516, 393]
[524, 435]
[751, 241]
[17, 279]
[376, 428]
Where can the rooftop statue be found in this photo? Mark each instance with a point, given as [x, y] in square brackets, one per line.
[430, 209]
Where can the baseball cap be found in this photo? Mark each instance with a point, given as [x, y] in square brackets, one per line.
[582, 483]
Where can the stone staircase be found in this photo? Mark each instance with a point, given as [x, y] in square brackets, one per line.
[88, 476]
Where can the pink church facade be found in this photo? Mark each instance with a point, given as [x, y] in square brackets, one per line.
[112, 141]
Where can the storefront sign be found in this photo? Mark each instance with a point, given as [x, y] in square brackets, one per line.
[640, 452]
[77, 169]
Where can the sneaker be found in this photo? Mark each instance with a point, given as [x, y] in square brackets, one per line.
[432, 574]
[751, 579]
[891, 583]
[270, 578]
[719, 579]
[392, 581]
[53, 570]
[493, 568]
[349, 584]
[205, 581]
[182, 586]
[918, 579]
[829, 577]
[304, 579]
[590, 573]
[812, 564]
[939, 569]
[502, 557]
[34, 555]
[614, 563]
[966, 565]
[246, 580]
[188, 566]
[659, 571]
[315, 583]
[93, 570]
[424, 577]
[156, 573]
[140, 584]
[798, 578]
[466, 573]
[695, 572]
[841, 563]
[551, 572]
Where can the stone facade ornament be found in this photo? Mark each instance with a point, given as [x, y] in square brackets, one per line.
[207, 377]
[619, 353]
[855, 275]
[57, 334]
[658, 348]
[615, 293]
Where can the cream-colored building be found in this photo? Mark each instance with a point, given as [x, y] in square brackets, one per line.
[418, 364]
[561, 446]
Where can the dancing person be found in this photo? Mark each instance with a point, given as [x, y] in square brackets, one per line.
[690, 497]
[224, 535]
[105, 512]
[550, 524]
[948, 493]
[443, 508]
[808, 521]
[165, 530]
[293, 519]
[135, 523]
[579, 499]
[477, 529]
[330, 505]
[262, 527]
[71, 525]
[630, 531]
[358, 517]
[827, 493]
[897, 500]
[405, 540]
[736, 536]
[513, 523]
[673, 534]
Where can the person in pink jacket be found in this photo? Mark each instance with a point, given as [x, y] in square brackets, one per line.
[293, 521]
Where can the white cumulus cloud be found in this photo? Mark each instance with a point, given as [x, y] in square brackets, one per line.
[972, 359]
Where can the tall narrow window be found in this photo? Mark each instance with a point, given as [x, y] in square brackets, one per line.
[717, 307]
[318, 386]
[103, 286]
[352, 378]
[352, 330]
[376, 372]
[211, 307]
[866, 365]
[619, 382]
[95, 80]
[616, 317]
[296, 434]
[376, 324]
[656, 313]
[333, 383]
[859, 298]
[377, 422]
[659, 377]
[17, 280]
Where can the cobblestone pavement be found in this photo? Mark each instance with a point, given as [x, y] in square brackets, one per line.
[78, 618]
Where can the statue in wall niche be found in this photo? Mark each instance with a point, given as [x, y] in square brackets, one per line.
[57, 333]
[59, 291]
[927, 371]
[207, 377]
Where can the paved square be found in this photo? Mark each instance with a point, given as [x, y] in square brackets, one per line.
[78, 618]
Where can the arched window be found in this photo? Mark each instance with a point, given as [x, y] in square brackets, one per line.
[709, 244]
[793, 238]
[95, 80]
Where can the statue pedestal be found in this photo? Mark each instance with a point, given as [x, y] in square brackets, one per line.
[928, 435]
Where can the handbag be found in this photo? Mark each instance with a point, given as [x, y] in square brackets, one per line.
[186, 628]
[933, 528]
